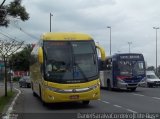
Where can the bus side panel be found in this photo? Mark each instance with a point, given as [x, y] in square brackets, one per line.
[103, 78]
[109, 77]
[35, 77]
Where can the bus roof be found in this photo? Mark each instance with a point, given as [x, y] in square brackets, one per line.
[65, 36]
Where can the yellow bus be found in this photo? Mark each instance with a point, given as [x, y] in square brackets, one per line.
[64, 68]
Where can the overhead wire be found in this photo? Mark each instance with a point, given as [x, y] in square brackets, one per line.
[24, 31]
[14, 39]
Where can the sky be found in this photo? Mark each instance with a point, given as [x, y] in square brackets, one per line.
[130, 21]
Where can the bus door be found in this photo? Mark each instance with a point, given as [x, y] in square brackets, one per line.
[115, 72]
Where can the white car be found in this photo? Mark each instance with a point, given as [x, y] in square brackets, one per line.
[152, 79]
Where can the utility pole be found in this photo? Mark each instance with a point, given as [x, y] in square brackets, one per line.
[50, 22]
[110, 39]
[156, 28]
[129, 43]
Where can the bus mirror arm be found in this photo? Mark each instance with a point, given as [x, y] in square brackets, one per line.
[102, 51]
[40, 55]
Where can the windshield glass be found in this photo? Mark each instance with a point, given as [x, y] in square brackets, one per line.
[152, 76]
[70, 61]
[131, 68]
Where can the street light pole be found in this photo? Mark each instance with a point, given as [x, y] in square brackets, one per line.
[156, 28]
[50, 21]
[110, 39]
[129, 43]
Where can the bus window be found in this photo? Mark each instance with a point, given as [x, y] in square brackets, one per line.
[58, 60]
[70, 61]
[138, 67]
[85, 60]
[125, 67]
[82, 47]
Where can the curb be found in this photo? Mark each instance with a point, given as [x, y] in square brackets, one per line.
[10, 108]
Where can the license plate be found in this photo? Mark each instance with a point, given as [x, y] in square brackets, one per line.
[74, 97]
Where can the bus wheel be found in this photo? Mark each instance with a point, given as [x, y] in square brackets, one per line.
[34, 94]
[109, 85]
[40, 95]
[149, 85]
[132, 89]
[86, 102]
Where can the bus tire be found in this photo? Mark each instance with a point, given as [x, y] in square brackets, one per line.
[109, 85]
[40, 95]
[32, 86]
[133, 89]
[149, 85]
[86, 102]
[34, 94]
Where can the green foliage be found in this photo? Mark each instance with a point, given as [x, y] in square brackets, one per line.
[16, 79]
[151, 68]
[16, 10]
[21, 60]
[5, 100]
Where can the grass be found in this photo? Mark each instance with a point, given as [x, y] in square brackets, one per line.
[5, 100]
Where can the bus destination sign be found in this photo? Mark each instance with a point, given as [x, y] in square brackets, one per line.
[130, 56]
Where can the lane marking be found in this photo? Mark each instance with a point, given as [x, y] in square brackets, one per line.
[138, 94]
[131, 111]
[10, 109]
[117, 106]
[147, 96]
[105, 102]
[156, 98]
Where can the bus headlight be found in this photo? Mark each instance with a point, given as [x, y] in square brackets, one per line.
[55, 89]
[143, 81]
[120, 81]
[94, 86]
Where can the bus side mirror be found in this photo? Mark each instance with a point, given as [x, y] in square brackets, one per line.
[40, 55]
[102, 52]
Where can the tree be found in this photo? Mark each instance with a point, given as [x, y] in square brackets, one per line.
[14, 9]
[7, 49]
[2, 3]
[20, 60]
[151, 68]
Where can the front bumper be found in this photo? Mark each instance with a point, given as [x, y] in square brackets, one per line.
[123, 85]
[155, 83]
[52, 97]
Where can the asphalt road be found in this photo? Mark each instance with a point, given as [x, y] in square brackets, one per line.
[143, 100]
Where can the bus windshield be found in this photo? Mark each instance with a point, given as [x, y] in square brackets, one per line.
[131, 68]
[70, 62]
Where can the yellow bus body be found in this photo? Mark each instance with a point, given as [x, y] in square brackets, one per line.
[47, 90]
